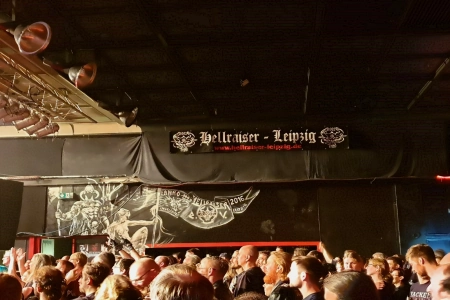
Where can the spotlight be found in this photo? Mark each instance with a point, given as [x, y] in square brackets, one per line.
[125, 108]
[26, 122]
[49, 129]
[128, 117]
[32, 39]
[82, 76]
[9, 109]
[20, 115]
[3, 101]
[39, 125]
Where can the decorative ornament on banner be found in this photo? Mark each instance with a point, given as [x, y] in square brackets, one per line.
[258, 140]
[204, 213]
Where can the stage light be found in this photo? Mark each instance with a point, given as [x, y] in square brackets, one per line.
[39, 125]
[30, 121]
[49, 129]
[128, 117]
[82, 76]
[33, 38]
[20, 115]
[3, 101]
[9, 109]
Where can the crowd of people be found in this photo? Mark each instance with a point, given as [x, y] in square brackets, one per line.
[121, 273]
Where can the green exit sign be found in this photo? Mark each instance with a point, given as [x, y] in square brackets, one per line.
[65, 195]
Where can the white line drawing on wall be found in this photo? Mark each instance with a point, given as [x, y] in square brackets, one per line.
[88, 216]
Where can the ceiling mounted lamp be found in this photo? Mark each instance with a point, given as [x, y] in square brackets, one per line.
[3, 101]
[128, 117]
[9, 109]
[20, 115]
[33, 38]
[82, 76]
[39, 125]
[49, 129]
[27, 122]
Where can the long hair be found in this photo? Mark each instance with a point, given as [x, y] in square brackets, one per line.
[39, 260]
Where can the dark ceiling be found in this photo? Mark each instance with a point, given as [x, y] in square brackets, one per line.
[183, 61]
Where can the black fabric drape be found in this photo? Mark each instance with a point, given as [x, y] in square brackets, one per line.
[22, 157]
[382, 151]
[109, 155]
[395, 149]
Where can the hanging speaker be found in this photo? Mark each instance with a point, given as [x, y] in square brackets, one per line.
[82, 76]
[34, 38]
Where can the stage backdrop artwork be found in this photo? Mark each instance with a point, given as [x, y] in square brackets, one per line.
[147, 215]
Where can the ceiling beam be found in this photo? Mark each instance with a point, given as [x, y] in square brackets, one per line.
[230, 39]
[429, 83]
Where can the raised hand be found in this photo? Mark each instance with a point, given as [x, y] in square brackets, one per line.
[21, 255]
[13, 254]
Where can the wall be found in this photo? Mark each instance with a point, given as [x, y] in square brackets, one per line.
[360, 215]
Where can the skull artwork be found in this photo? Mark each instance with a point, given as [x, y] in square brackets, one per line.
[332, 136]
[184, 140]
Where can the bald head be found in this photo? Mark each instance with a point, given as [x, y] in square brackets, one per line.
[250, 250]
[142, 272]
[247, 256]
[162, 261]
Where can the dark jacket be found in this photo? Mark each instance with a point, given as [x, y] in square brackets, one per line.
[221, 291]
[251, 280]
[282, 291]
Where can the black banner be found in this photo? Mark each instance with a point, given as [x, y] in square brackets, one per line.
[287, 139]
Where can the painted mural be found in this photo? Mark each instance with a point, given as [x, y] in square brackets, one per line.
[147, 215]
